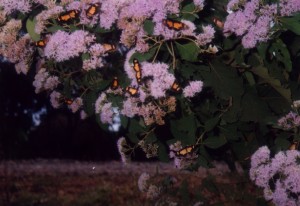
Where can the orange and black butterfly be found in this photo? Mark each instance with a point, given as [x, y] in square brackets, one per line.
[174, 25]
[115, 83]
[132, 91]
[185, 151]
[137, 69]
[218, 23]
[68, 16]
[68, 101]
[109, 47]
[92, 10]
[175, 87]
[41, 43]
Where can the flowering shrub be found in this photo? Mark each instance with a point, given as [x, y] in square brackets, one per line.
[189, 79]
[278, 176]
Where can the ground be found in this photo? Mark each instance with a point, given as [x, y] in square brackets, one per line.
[60, 182]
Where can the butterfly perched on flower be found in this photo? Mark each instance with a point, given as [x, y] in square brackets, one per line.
[68, 16]
[132, 91]
[185, 151]
[174, 25]
[109, 47]
[137, 69]
[41, 43]
[175, 87]
[92, 10]
[115, 83]
[68, 101]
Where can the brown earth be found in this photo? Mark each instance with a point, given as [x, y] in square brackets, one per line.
[56, 182]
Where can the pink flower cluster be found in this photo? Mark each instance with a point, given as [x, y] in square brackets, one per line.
[290, 121]
[10, 6]
[283, 170]
[254, 21]
[63, 46]
[43, 81]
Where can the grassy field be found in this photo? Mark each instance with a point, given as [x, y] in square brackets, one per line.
[111, 184]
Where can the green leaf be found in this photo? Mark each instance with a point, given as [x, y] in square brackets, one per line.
[275, 83]
[55, 28]
[250, 78]
[282, 54]
[143, 56]
[188, 51]
[211, 123]
[292, 23]
[89, 102]
[188, 12]
[162, 152]
[30, 25]
[215, 142]
[282, 144]
[85, 56]
[135, 128]
[148, 27]
[184, 129]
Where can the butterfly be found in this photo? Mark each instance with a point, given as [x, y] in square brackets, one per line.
[218, 23]
[132, 91]
[41, 43]
[185, 151]
[69, 15]
[92, 10]
[68, 101]
[174, 25]
[175, 87]
[109, 47]
[115, 83]
[137, 69]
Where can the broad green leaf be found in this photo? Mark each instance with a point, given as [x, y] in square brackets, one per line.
[30, 26]
[281, 53]
[292, 23]
[211, 123]
[135, 128]
[149, 26]
[144, 56]
[250, 78]
[275, 83]
[162, 152]
[184, 129]
[188, 12]
[188, 51]
[89, 102]
[215, 142]
[282, 144]
[85, 56]
[55, 28]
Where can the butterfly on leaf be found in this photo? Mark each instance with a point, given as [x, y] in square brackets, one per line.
[92, 10]
[174, 25]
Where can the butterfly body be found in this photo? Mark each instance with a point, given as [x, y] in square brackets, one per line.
[137, 69]
[175, 87]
